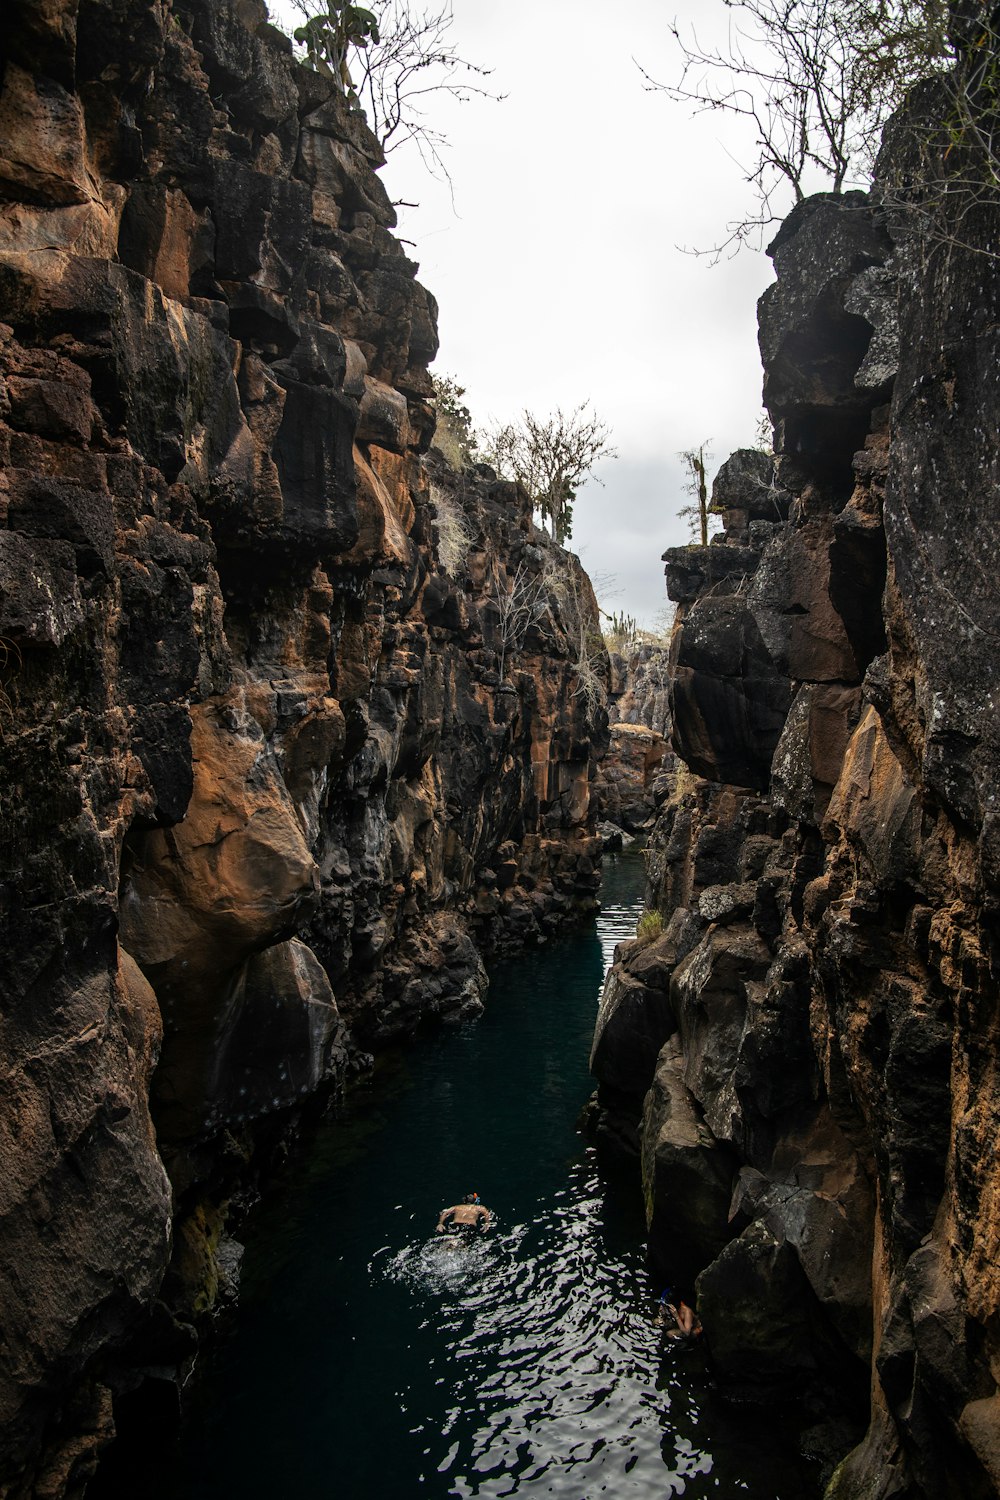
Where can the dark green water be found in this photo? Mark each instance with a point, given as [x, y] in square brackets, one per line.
[370, 1358]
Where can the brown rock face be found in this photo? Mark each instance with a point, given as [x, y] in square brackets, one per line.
[273, 774]
[819, 1036]
[630, 773]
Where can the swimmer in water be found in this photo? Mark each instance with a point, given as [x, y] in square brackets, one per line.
[679, 1320]
[466, 1217]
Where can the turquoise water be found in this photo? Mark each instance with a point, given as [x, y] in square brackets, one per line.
[370, 1358]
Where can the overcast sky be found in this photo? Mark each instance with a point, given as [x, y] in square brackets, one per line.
[557, 271]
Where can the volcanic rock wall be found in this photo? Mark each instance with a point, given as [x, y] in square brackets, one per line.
[273, 774]
[806, 1055]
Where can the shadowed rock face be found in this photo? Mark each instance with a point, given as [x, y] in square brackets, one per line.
[272, 773]
[817, 1043]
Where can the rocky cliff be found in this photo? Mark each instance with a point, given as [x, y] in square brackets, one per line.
[277, 765]
[806, 1054]
[639, 726]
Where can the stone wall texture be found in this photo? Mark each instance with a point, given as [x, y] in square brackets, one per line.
[274, 770]
[806, 1056]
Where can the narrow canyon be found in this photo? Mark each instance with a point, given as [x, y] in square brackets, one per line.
[300, 725]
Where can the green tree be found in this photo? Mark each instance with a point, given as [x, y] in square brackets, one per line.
[454, 436]
[551, 456]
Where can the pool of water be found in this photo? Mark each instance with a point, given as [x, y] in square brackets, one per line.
[370, 1357]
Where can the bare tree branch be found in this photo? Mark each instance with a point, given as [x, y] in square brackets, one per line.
[816, 79]
[394, 59]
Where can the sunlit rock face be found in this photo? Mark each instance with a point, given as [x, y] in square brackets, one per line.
[274, 774]
[805, 1057]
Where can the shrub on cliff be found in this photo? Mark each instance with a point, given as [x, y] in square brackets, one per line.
[454, 437]
[649, 926]
[453, 529]
[571, 593]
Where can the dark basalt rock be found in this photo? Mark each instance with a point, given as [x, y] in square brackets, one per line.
[271, 780]
[728, 698]
[814, 337]
[682, 1162]
[692, 571]
[830, 886]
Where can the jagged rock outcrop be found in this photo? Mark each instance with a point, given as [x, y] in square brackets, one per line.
[815, 1029]
[273, 774]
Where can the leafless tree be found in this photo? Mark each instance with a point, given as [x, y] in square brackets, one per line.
[816, 79]
[579, 615]
[519, 600]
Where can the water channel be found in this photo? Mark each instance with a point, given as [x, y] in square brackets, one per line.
[368, 1358]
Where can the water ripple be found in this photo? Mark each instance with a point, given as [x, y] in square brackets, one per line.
[555, 1365]
[371, 1352]
[554, 1374]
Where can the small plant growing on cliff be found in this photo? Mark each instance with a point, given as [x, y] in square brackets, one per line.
[649, 926]
[454, 531]
[699, 510]
[559, 586]
[576, 608]
[551, 456]
[454, 437]
[8, 654]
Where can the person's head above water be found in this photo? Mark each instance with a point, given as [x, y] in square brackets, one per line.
[472, 1197]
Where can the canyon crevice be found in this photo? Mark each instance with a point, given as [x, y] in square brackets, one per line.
[280, 766]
